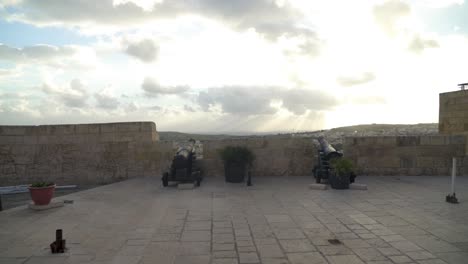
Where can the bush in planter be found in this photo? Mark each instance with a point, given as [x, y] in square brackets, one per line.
[342, 169]
[42, 192]
[236, 160]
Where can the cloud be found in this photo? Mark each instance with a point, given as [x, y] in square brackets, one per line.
[35, 53]
[152, 88]
[188, 108]
[74, 96]
[106, 100]
[145, 50]
[69, 56]
[260, 100]
[389, 13]
[239, 99]
[298, 101]
[271, 19]
[351, 81]
[418, 44]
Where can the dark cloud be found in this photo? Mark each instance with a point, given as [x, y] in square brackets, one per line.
[74, 96]
[267, 17]
[106, 101]
[388, 13]
[152, 88]
[35, 53]
[145, 50]
[351, 81]
[418, 44]
[244, 100]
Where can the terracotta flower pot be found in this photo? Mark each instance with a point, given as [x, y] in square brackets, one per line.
[42, 195]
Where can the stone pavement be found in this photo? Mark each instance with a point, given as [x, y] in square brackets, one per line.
[278, 220]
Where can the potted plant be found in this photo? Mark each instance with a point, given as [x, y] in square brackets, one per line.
[236, 160]
[341, 172]
[42, 192]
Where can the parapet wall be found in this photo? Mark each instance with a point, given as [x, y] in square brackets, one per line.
[79, 134]
[453, 112]
[81, 154]
[275, 156]
[105, 153]
[407, 155]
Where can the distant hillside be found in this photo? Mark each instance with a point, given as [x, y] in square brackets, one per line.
[334, 136]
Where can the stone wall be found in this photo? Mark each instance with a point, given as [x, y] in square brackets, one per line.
[81, 154]
[407, 155]
[275, 156]
[453, 112]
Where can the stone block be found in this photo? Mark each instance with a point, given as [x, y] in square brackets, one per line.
[13, 130]
[108, 128]
[148, 127]
[81, 129]
[94, 128]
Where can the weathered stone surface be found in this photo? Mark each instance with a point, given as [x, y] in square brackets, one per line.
[185, 186]
[318, 186]
[357, 186]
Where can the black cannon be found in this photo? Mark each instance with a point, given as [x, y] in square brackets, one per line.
[183, 168]
[326, 153]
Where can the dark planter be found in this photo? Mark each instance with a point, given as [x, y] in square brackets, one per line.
[234, 172]
[42, 195]
[339, 182]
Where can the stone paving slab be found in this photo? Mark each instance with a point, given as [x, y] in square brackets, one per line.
[279, 220]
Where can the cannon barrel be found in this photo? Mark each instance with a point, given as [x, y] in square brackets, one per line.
[183, 168]
[328, 150]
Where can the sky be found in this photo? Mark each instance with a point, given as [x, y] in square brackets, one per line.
[220, 66]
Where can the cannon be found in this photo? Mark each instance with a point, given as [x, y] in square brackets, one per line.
[183, 167]
[326, 153]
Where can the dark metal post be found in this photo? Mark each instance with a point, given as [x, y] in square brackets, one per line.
[249, 178]
[1, 207]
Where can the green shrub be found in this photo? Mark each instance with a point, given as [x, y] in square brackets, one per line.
[342, 166]
[239, 155]
[41, 184]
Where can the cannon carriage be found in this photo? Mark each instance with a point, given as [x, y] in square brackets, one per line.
[183, 168]
[327, 153]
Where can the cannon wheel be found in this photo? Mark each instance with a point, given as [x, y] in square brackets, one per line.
[165, 179]
[317, 174]
[198, 178]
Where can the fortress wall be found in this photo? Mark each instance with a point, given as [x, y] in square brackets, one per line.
[81, 154]
[105, 153]
[407, 155]
[453, 112]
[79, 134]
[275, 156]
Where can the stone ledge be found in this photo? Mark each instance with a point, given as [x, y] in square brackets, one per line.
[45, 207]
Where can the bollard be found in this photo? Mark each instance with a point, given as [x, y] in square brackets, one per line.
[452, 198]
[58, 246]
